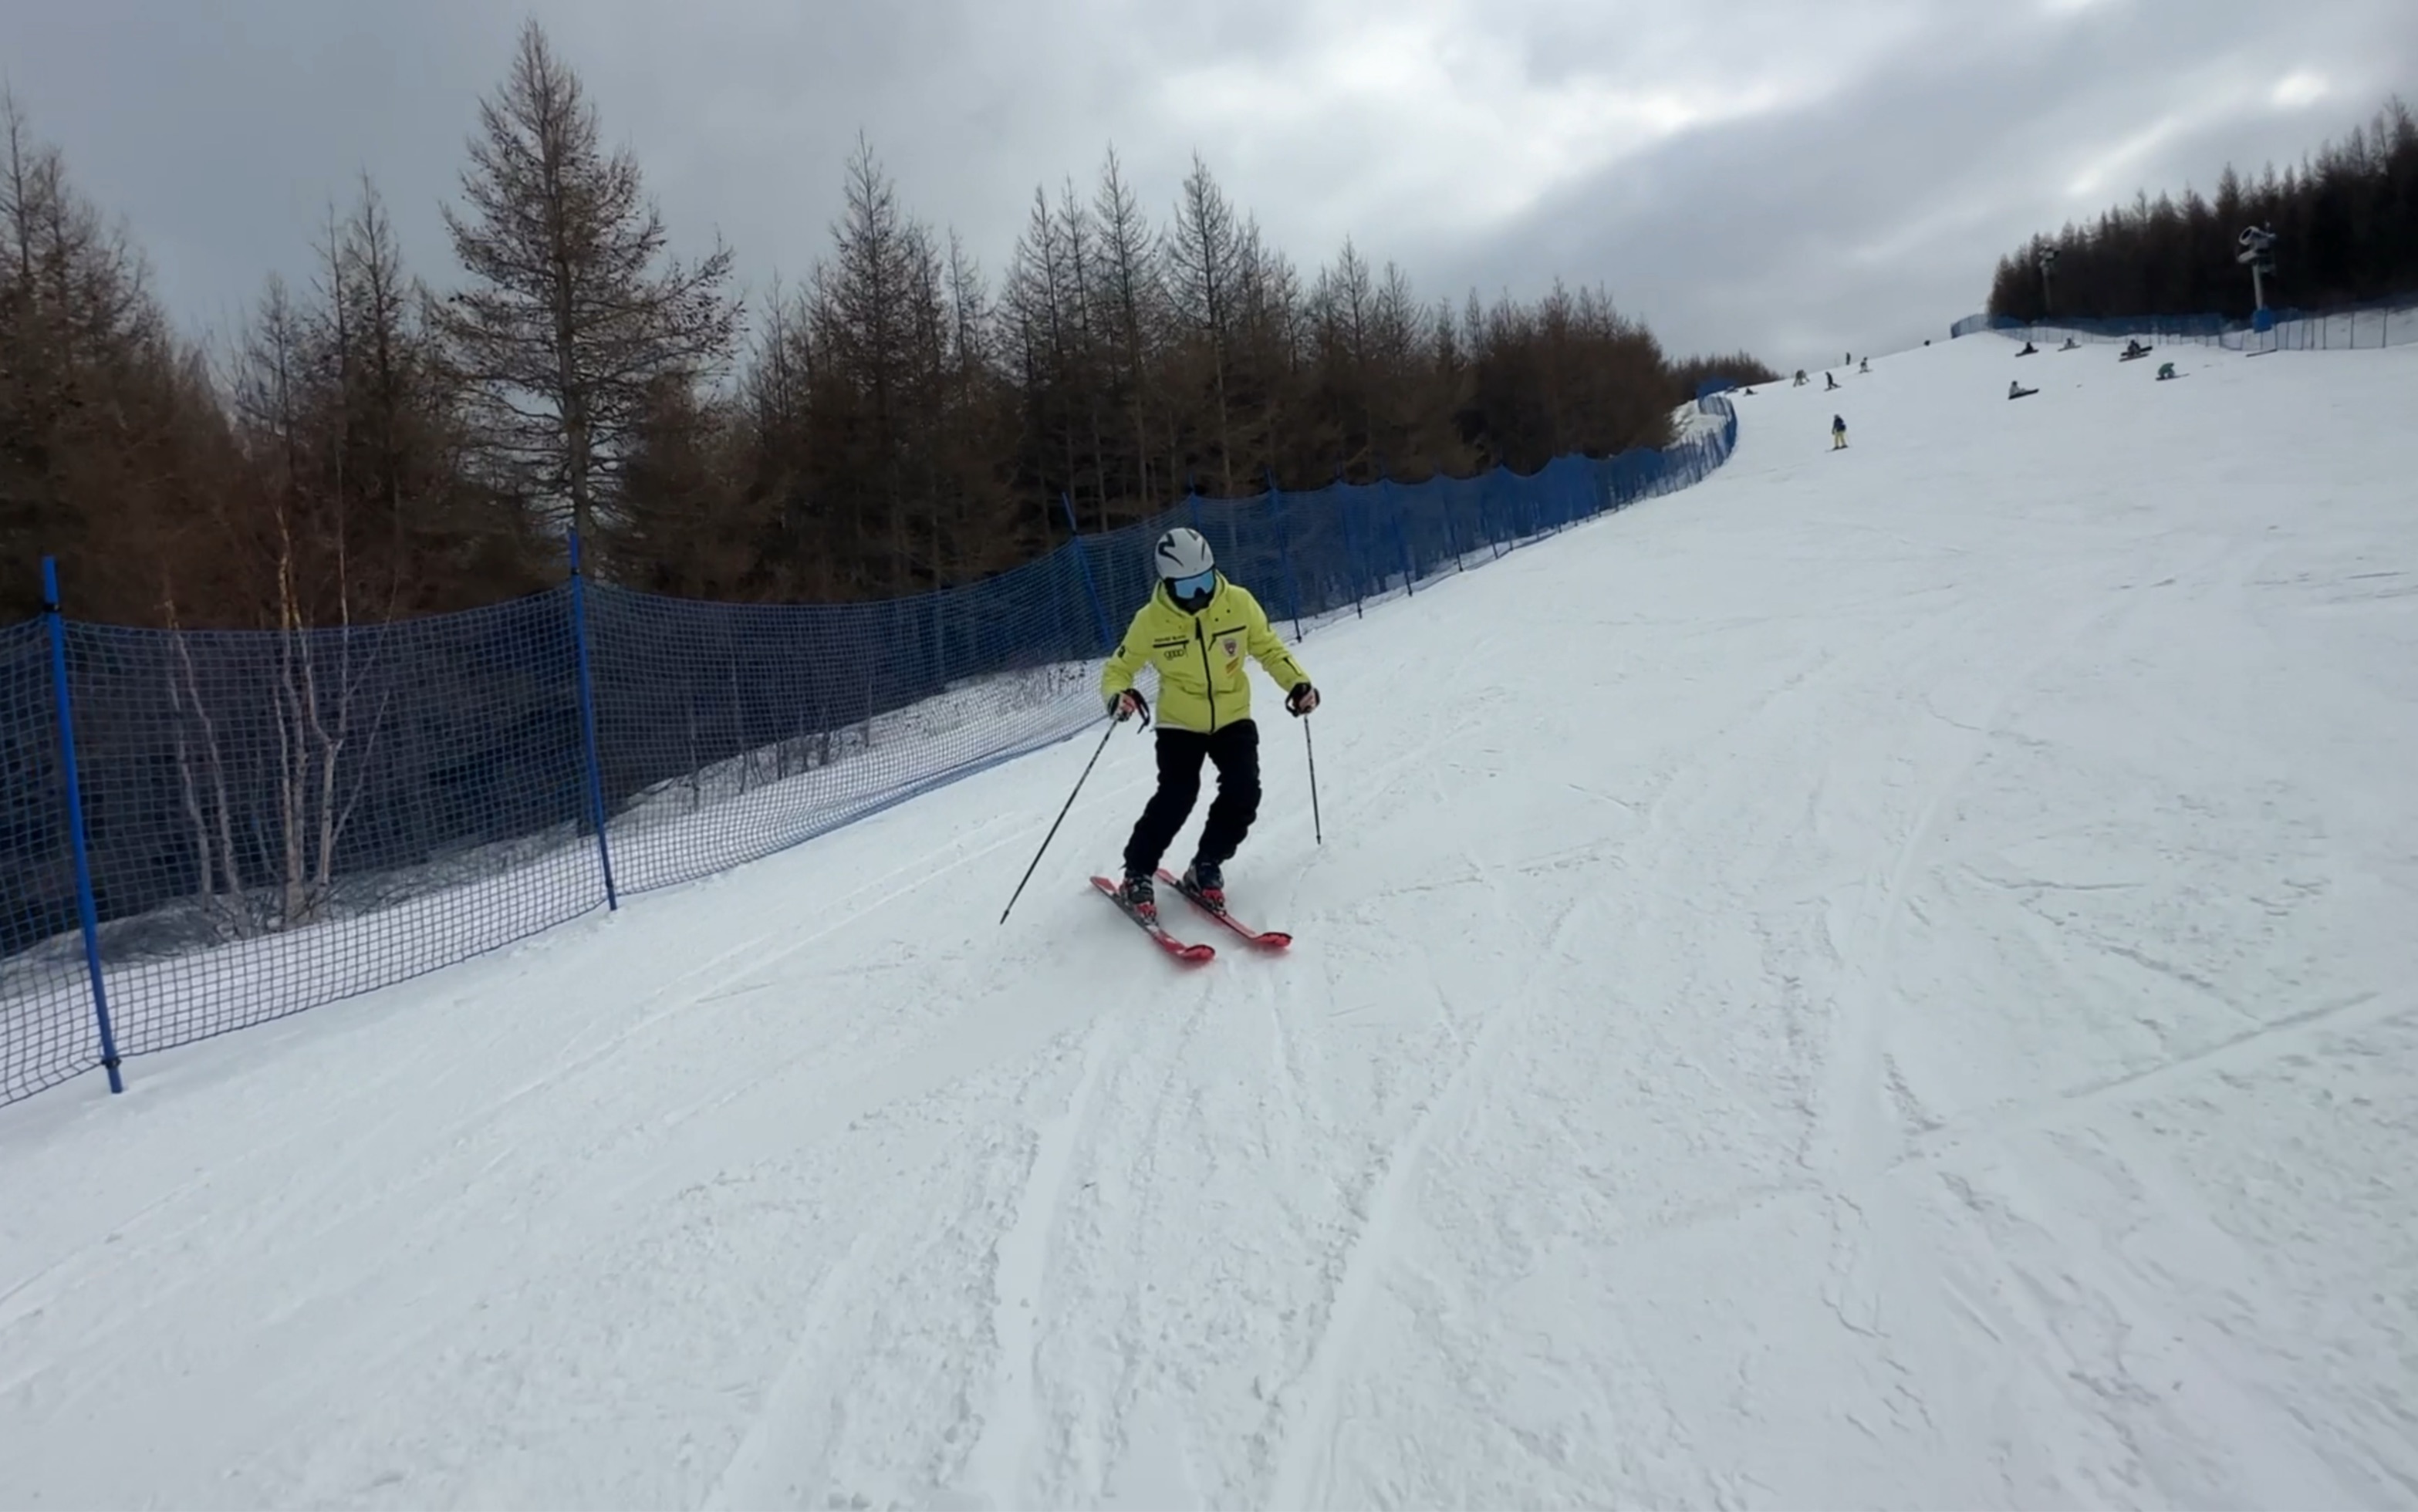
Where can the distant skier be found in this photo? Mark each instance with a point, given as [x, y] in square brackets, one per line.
[1800, 379]
[1829, 381]
[2165, 370]
[1196, 629]
[1838, 433]
[1864, 365]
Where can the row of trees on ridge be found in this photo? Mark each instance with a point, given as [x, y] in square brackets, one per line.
[369, 446]
[2346, 223]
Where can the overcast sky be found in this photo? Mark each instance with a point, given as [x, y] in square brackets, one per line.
[1795, 177]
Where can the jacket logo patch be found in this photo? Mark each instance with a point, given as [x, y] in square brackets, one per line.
[1234, 649]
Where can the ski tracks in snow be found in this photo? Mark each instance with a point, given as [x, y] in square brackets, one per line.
[1776, 1020]
[1867, 1112]
[1307, 1405]
[759, 1472]
[1863, 1100]
[1012, 1430]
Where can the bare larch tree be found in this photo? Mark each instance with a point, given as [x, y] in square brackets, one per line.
[575, 312]
[1204, 258]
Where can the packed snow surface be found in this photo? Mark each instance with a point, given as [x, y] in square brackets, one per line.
[1887, 979]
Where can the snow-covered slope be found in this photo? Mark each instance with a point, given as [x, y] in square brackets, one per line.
[1885, 979]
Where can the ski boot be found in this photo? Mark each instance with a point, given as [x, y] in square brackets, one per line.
[1205, 881]
[1139, 896]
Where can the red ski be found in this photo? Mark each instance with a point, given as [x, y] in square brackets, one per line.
[1190, 955]
[1263, 939]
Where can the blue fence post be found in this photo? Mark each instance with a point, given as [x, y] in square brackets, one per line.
[1401, 542]
[1284, 546]
[587, 721]
[1062, 587]
[1442, 487]
[939, 635]
[1083, 561]
[86, 914]
[1348, 506]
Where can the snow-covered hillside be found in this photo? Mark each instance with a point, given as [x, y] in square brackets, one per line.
[1886, 979]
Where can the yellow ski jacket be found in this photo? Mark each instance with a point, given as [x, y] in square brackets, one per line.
[1202, 686]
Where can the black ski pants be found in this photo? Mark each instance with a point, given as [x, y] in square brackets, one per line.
[1235, 751]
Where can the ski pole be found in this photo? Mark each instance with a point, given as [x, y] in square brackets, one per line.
[1061, 816]
[1317, 831]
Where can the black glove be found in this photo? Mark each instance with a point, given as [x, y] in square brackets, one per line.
[1301, 701]
[1126, 705]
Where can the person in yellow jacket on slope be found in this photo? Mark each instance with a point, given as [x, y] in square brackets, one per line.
[1196, 629]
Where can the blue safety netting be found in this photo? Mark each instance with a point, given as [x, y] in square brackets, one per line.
[276, 820]
[726, 732]
[2376, 323]
[49, 1034]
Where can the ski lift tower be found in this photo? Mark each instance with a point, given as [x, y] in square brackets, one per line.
[2257, 253]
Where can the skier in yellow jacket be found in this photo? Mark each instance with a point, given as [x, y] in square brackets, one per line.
[1196, 629]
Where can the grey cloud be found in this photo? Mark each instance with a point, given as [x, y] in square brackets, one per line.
[1871, 218]
[1851, 173]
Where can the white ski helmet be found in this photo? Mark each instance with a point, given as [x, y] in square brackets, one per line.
[1182, 552]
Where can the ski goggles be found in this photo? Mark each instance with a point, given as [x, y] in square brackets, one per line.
[1199, 585]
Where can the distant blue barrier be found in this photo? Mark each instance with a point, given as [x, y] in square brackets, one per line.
[275, 820]
[2378, 322]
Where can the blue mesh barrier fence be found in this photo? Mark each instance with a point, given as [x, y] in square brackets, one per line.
[278, 821]
[2376, 322]
[729, 731]
[49, 1034]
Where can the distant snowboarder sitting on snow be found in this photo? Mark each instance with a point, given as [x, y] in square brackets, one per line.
[1196, 629]
[2016, 390]
[2070, 344]
[2029, 349]
[1837, 433]
[2131, 350]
